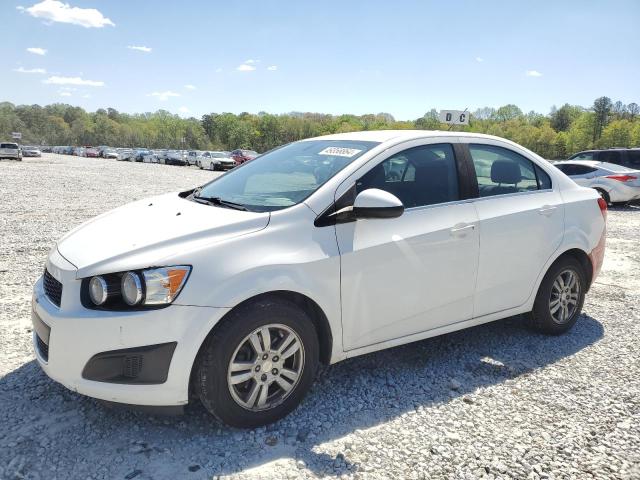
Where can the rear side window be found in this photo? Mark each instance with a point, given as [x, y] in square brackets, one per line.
[419, 176]
[544, 181]
[9, 145]
[633, 158]
[501, 171]
[584, 156]
[573, 169]
[611, 156]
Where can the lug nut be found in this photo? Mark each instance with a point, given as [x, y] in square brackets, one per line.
[264, 377]
[276, 358]
[257, 368]
[274, 371]
[265, 356]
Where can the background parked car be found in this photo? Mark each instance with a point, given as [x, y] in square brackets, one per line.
[627, 157]
[176, 157]
[240, 156]
[151, 157]
[615, 183]
[30, 151]
[140, 153]
[91, 152]
[125, 154]
[216, 161]
[10, 150]
[192, 156]
[110, 153]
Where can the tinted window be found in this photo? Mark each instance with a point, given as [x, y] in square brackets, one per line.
[501, 171]
[419, 176]
[611, 156]
[584, 156]
[583, 169]
[9, 145]
[633, 158]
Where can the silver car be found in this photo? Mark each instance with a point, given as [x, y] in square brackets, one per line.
[11, 151]
[615, 183]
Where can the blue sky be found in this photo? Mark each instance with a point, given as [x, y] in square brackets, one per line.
[396, 56]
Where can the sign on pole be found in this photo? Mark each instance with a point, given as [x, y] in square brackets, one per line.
[454, 117]
[16, 135]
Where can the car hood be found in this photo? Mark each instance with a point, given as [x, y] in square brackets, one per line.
[151, 232]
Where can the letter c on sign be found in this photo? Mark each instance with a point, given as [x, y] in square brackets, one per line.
[462, 117]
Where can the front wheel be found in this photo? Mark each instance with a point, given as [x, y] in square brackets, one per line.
[258, 364]
[560, 297]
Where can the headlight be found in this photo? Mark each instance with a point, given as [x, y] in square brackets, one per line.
[151, 287]
[98, 290]
[164, 284]
[131, 288]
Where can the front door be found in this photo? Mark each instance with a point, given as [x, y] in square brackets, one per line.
[416, 272]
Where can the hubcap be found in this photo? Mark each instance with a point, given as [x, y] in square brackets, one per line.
[565, 294]
[266, 367]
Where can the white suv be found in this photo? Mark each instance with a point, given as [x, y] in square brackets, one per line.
[317, 251]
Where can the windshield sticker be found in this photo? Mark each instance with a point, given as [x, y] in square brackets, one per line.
[340, 152]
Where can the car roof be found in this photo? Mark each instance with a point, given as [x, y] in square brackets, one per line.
[590, 163]
[400, 135]
[612, 167]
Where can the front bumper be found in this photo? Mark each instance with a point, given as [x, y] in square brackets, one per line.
[76, 335]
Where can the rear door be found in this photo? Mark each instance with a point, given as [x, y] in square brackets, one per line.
[521, 225]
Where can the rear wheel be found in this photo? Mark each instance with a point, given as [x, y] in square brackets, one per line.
[560, 297]
[604, 195]
[258, 364]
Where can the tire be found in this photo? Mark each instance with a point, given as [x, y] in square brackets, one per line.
[604, 195]
[552, 296]
[238, 403]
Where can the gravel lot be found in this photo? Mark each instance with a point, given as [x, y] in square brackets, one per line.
[496, 401]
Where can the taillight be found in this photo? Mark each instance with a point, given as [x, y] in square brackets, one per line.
[622, 178]
[602, 203]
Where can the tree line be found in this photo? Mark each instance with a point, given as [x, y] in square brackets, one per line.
[561, 132]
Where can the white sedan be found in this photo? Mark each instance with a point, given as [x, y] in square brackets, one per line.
[216, 161]
[321, 250]
[615, 183]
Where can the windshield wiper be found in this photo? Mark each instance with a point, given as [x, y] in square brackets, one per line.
[220, 202]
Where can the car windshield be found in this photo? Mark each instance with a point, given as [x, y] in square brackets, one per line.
[285, 176]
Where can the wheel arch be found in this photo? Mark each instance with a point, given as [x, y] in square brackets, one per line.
[308, 305]
[582, 257]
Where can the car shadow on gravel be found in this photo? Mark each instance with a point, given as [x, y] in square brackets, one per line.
[44, 421]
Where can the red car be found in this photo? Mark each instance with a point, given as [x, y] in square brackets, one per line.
[91, 152]
[240, 156]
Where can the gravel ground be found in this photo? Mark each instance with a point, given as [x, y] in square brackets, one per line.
[495, 401]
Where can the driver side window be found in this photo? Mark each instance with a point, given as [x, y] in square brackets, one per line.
[419, 176]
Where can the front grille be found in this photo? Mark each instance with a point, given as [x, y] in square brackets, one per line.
[43, 348]
[52, 288]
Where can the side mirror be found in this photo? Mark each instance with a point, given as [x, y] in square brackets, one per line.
[376, 203]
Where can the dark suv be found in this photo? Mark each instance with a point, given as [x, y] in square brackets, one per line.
[627, 157]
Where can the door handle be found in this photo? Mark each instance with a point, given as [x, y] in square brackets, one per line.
[461, 228]
[547, 210]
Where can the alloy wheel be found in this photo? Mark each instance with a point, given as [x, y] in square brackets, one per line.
[266, 367]
[565, 296]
